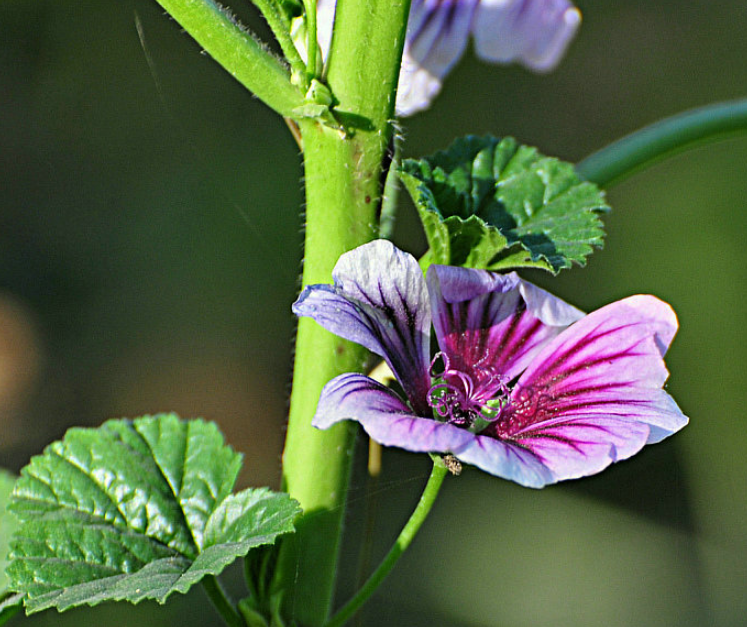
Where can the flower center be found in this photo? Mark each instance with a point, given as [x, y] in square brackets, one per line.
[470, 401]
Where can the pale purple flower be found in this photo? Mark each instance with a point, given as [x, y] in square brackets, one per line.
[534, 33]
[523, 385]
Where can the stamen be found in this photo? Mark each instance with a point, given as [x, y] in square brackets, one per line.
[463, 399]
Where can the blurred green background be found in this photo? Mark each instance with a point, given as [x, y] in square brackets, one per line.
[149, 252]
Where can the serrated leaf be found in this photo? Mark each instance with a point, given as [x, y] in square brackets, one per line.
[135, 510]
[10, 603]
[493, 203]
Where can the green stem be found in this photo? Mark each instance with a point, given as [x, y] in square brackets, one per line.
[311, 40]
[343, 192]
[663, 139]
[280, 27]
[406, 536]
[389, 203]
[221, 603]
[245, 58]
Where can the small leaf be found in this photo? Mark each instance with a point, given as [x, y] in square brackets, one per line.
[135, 510]
[493, 203]
[10, 603]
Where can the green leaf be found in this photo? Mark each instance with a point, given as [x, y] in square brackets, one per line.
[135, 510]
[10, 603]
[493, 203]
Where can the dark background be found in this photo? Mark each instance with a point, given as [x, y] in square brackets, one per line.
[149, 252]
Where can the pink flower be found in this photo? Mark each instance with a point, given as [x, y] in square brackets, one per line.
[523, 385]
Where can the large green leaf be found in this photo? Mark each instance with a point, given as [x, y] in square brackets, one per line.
[493, 203]
[135, 510]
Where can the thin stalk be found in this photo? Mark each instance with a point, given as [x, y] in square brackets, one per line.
[240, 54]
[281, 29]
[220, 601]
[311, 41]
[406, 536]
[389, 203]
[663, 139]
[370, 515]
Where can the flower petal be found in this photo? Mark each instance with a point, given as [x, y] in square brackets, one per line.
[416, 88]
[325, 21]
[593, 395]
[583, 445]
[491, 324]
[506, 460]
[535, 33]
[379, 300]
[437, 34]
[384, 416]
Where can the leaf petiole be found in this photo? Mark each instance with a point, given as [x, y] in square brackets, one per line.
[223, 606]
[238, 51]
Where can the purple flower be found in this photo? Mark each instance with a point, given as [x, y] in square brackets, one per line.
[534, 33]
[523, 386]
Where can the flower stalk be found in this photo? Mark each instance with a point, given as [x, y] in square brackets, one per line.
[220, 601]
[406, 536]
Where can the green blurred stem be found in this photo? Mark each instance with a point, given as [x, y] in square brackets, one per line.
[406, 536]
[663, 139]
[240, 54]
[343, 192]
[217, 595]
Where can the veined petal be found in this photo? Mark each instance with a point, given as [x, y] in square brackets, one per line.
[437, 34]
[653, 407]
[506, 460]
[584, 445]
[618, 346]
[379, 300]
[593, 395]
[384, 416]
[493, 324]
[535, 33]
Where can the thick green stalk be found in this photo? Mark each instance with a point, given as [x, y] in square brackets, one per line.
[242, 56]
[343, 173]
[663, 139]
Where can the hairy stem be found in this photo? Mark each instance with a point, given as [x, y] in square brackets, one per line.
[343, 171]
[663, 139]
[240, 54]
